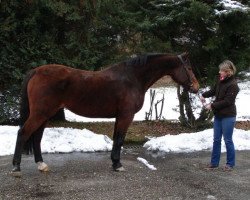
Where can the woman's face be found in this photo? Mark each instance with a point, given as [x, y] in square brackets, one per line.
[223, 74]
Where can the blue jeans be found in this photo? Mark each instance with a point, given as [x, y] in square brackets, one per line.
[223, 126]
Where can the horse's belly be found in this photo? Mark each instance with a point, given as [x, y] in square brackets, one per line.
[104, 103]
[92, 114]
[94, 110]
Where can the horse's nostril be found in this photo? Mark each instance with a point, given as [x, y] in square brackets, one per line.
[193, 89]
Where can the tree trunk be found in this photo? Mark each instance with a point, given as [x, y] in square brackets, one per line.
[187, 117]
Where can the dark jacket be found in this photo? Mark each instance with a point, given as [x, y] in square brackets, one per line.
[225, 93]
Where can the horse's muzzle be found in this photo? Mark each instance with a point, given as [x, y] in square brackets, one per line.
[194, 88]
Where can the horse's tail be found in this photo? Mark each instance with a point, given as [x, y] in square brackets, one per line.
[25, 111]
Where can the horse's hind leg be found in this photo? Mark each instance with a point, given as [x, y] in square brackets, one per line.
[31, 125]
[17, 154]
[37, 137]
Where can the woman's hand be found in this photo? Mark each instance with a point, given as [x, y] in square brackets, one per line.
[208, 106]
[203, 100]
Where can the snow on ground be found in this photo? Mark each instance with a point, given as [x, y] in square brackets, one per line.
[229, 5]
[69, 140]
[58, 140]
[145, 162]
[199, 141]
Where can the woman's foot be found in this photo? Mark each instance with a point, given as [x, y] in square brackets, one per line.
[211, 167]
[227, 168]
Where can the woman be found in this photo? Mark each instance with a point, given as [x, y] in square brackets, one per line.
[224, 109]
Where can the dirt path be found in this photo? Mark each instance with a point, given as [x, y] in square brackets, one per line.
[89, 176]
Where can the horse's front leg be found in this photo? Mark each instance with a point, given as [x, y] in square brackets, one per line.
[116, 151]
[120, 130]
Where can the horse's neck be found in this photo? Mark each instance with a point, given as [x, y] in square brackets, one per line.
[153, 71]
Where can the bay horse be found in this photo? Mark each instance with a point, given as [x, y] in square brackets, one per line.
[116, 92]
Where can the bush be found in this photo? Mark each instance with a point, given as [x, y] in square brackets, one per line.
[9, 107]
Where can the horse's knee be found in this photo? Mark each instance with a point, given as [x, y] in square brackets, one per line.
[119, 139]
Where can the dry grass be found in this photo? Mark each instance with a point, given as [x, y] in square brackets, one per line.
[137, 132]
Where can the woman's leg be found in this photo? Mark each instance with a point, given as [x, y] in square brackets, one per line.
[215, 158]
[227, 129]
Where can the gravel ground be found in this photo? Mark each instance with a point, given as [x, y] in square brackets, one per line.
[89, 176]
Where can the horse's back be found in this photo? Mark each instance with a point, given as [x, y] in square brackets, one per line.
[55, 70]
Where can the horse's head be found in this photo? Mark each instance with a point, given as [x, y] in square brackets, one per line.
[184, 75]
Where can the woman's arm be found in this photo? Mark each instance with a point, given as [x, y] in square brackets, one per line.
[228, 99]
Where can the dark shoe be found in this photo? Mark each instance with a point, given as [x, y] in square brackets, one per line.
[211, 167]
[227, 168]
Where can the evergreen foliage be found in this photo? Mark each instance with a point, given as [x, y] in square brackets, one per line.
[90, 34]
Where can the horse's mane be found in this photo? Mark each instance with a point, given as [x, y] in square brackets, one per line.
[138, 60]
[141, 60]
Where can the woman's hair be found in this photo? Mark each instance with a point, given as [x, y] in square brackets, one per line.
[228, 67]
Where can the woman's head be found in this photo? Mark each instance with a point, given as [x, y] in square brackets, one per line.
[227, 68]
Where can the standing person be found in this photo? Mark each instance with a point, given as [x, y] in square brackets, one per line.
[224, 109]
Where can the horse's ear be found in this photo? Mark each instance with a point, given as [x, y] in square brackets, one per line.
[185, 55]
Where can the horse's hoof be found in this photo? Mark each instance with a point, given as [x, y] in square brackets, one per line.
[16, 172]
[43, 167]
[120, 169]
[117, 167]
